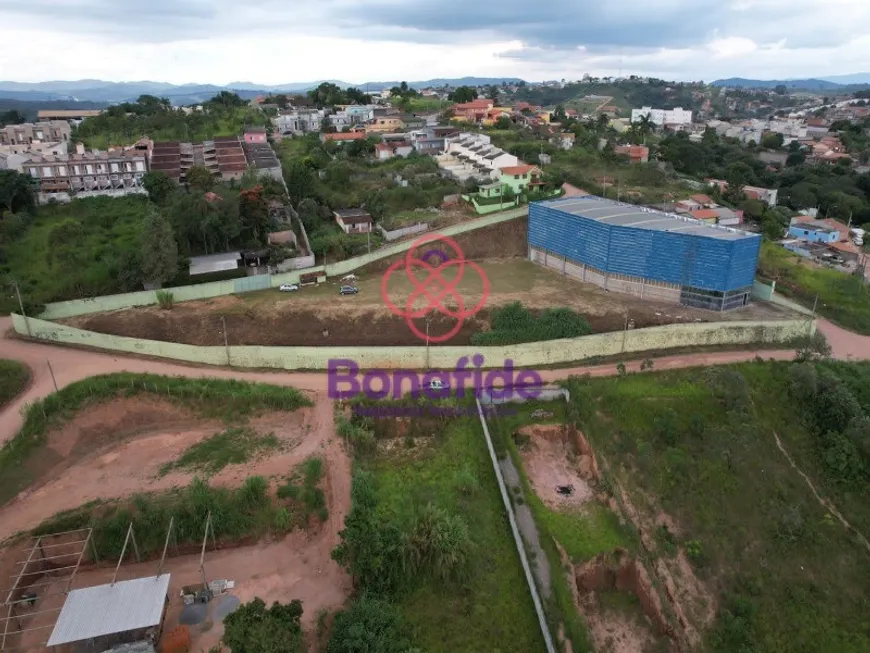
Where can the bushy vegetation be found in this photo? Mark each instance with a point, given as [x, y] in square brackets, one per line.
[233, 446]
[513, 324]
[224, 115]
[701, 445]
[303, 488]
[843, 298]
[426, 532]
[228, 399]
[254, 628]
[14, 377]
[237, 514]
[371, 625]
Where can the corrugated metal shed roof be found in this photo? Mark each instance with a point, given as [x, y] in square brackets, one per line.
[627, 215]
[107, 609]
[214, 263]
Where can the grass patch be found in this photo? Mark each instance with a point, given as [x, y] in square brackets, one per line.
[488, 605]
[234, 446]
[237, 514]
[843, 298]
[302, 488]
[225, 398]
[513, 324]
[699, 444]
[14, 377]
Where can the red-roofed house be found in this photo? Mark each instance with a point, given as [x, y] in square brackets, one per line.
[384, 151]
[710, 216]
[521, 178]
[704, 200]
[342, 137]
[636, 153]
[474, 111]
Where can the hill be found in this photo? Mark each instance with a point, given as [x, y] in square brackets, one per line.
[29, 109]
[95, 90]
[797, 84]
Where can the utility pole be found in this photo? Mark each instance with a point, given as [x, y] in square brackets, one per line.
[226, 340]
[428, 320]
[369, 240]
[21, 306]
[815, 303]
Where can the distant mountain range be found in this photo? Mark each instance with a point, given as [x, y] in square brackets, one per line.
[95, 90]
[846, 83]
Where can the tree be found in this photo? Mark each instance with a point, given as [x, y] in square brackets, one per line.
[16, 192]
[772, 141]
[504, 122]
[253, 628]
[493, 93]
[463, 94]
[12, 117]
[227, 100]
[753, 208]
[369, 626]
[780, 89]
[376, 204]
[559, 114]
[67, 256]
[300, 181]
[200, 178]
[159, 186]
[254, 214]
[159, 250]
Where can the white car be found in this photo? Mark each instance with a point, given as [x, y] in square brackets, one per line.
[288, 287]
[437, 384]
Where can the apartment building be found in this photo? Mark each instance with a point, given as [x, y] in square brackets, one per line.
[472, 156]
[298, 122]
[663, 117]
[51, 131]
[85, 174]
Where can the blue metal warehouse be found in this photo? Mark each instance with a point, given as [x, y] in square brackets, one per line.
[641, 251]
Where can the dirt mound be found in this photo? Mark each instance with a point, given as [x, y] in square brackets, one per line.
[559, 463]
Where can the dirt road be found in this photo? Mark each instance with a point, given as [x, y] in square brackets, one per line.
[72, 365]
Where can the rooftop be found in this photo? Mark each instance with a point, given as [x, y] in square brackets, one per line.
[353, 216]
[347, 136]
[815, 227]
[214, 263]
[520, 170]
[639, 217]
[108, 609]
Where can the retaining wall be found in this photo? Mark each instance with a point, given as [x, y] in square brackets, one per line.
[59, 310]
[395, 234]
[525, 355]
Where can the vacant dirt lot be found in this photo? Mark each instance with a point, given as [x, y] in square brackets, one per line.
[321, 317]
[116, 449]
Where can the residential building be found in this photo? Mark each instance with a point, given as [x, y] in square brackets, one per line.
[343, 137]
[298, 122]
[521, 178]
[353, 221]
[709, 216]
[56, 149]
[113, 173]
[564, 140]
[635, 153]
[385, 124]
[51, 131]
[474, 111]
[262, 157]
[387, 150]
[412, 122]
[644, 252]
[766, 195]
[431, 139]
[663, 117]
[814, 233]
[470, 156]
[256, 135]
[224, 157]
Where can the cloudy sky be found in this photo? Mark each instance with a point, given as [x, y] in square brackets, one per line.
[277, 41]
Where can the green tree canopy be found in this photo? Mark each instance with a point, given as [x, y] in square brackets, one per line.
[159, 249]
[369, 626]
[16, 192]
[200, 177]
[463, 94]
[253, 628]
[159, 186]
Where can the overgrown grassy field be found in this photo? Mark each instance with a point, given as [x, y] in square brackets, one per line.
[233, 446]
[487, 607]
[14, 377]
[843, 298]
[699, 444]
[109, 238]
[228, 399]
[244, 512]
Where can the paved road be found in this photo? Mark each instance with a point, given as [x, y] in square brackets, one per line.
[72, 365]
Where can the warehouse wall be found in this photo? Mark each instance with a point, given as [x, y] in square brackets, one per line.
[668, 257]
[525, 355]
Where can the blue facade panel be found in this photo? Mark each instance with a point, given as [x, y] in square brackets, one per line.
[691, 260]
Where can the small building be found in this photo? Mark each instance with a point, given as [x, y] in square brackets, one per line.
[214, 263]
[385, 124]
[521, 178]
[105, 616]
[710, 216]
[635, 153]
[813, 233]
[353, 221]
[255, 135]
[388, 150]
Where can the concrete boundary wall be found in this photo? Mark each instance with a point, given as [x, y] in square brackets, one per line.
[73, 308]
[531, 354]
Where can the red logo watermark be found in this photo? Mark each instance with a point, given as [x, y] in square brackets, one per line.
[432, 287]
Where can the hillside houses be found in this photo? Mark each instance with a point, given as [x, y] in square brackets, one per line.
[472, 156]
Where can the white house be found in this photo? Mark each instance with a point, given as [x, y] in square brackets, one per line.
[299, 121]
[660, 117]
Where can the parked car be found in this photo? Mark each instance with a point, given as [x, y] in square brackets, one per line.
[288, 287]
[348, 290]
[437, 384]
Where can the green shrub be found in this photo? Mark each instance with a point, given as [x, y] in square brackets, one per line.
[370, 625]
[166, 299]
[513, 324]
[14, 377]
[234, 446]
[253, 628]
